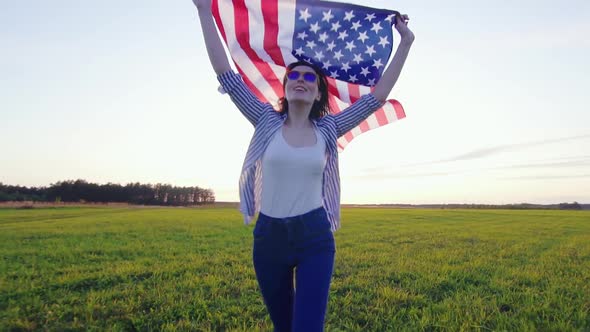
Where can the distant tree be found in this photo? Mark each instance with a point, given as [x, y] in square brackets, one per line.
[6, 197]
[568, 206]
[134, 193]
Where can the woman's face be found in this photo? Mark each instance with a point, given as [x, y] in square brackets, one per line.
[302, 85]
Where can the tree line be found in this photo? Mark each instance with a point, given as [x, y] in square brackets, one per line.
[570, 206]
[133, 193]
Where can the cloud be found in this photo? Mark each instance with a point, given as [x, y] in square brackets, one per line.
[571, 34]
[399, 175]
[583, 161]
[486, 152]
[395, 173]
[555, 163]
[567, 34]
[545, 177]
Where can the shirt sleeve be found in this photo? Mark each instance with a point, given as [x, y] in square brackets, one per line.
[354, 114]
[242, 96]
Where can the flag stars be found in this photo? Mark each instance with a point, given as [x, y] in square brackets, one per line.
[383, 41]
[363, 36]
[377, 64]
[358, 58]
[315, 27]
[302, 35]
[335, 26]
[370, 50]
[348, 16]
[331, 46]
[345, 67]
[319, 55]
[342, 35]
[349, 46]
[370, 17]
[327, 16]
[376, 27]
[304, 15]
[356, 25]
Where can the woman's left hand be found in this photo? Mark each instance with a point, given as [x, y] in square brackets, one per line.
[401, 25]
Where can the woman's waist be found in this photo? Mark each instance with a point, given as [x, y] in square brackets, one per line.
[313, 214]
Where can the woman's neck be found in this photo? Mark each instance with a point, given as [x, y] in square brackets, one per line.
[298, 116]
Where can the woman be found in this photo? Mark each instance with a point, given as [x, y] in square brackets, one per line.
[290, 176]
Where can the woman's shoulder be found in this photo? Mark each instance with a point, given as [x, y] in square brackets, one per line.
[269, 113]
[326, 120]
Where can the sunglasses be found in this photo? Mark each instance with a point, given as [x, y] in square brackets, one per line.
[307, 76]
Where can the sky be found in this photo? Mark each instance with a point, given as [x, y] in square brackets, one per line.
[495, 93]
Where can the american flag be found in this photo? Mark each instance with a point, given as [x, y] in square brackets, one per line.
[352, 44]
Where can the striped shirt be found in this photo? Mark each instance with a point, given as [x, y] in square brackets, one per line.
[266, 121]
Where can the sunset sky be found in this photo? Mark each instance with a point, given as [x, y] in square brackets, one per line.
[496, 97]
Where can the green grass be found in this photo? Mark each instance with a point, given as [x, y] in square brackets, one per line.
[190, 269]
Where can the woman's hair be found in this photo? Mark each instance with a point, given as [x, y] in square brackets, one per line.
[320, 107]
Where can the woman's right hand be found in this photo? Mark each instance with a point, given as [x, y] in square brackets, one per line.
[215, 48]
[202, 3]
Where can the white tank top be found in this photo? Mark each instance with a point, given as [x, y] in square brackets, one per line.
[292, 177]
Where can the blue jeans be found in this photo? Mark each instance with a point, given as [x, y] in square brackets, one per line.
[302, 245]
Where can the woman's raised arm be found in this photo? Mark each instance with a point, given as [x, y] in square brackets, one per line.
[241, 95]
[215, 48]
[391, 74]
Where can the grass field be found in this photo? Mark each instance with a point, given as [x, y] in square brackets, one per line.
[190, 269]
